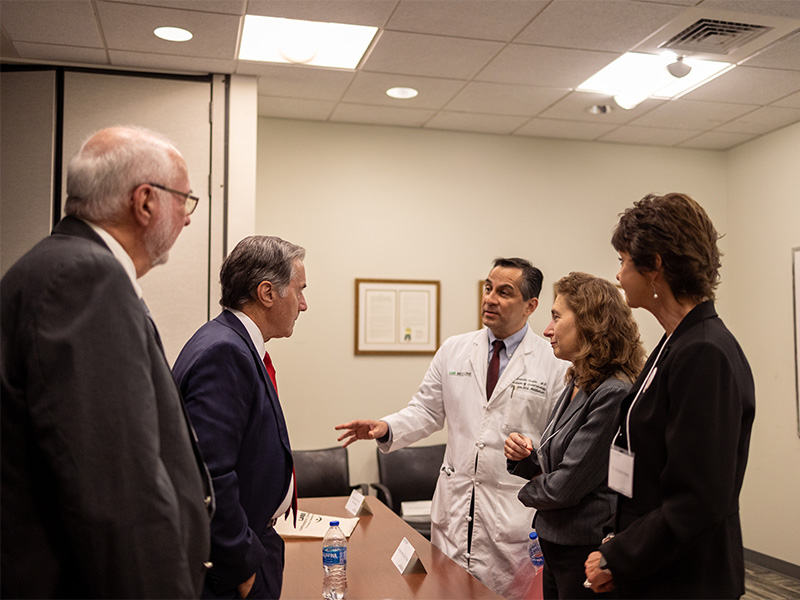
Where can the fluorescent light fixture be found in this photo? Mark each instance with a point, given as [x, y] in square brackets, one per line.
[173, 34]
[337, 45]
[634, 77]
[402, 93]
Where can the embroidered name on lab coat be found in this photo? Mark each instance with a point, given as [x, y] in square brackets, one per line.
[460, 373]
[530, 385]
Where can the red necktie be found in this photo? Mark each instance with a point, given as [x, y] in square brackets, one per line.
[494, 367]
[271, 372]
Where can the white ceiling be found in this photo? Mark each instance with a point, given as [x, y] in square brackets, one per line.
[496, 66]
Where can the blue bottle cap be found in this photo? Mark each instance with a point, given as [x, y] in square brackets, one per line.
[334, 523]
[533, 535]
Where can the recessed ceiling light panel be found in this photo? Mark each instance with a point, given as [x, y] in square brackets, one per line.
[635, 76]
[402, 93]
[173, 34]
[337, 45]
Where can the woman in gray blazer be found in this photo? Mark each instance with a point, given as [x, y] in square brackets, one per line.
[593, 328]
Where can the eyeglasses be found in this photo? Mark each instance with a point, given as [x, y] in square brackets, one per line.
[191, 201]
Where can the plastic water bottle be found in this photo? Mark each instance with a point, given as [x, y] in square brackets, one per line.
[535, 551]
[334, 563]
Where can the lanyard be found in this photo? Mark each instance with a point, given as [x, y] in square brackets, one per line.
[645, 384]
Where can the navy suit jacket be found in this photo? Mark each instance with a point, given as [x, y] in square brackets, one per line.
[243, 438]
[102, 492]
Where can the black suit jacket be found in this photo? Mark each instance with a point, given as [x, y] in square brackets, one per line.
[679, 536]
[244, 440]
[102, 492]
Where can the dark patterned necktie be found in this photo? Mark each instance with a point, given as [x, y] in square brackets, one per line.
[494, 367]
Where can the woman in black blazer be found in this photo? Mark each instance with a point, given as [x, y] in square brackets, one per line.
[680, 455]
[593, 328]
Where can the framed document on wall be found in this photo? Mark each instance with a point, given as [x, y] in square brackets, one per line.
[796, 288]
[396, 316]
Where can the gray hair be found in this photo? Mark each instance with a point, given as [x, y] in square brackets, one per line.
[110, 164]
[255, 259]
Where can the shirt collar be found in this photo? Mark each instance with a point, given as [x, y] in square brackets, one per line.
[119, 253]
[253, 330]
[512, 342]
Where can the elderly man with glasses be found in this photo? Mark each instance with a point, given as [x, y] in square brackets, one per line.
[104, 493]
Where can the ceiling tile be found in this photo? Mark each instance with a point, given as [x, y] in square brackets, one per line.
[52, 21]
[356, 12]
[748, 85]
[790, 101]
[300, 82]
[496, 20]
[430, 55]
[550, 128]
[716, 141]
[66, 54]
[380, 115]
[689, 114]
[612, 25]
[294, 108]
[763, 120]
[370, 88]
[130, 27]
[537, 65]
[576, 105]
[168, 63]
[499, 124]
[505, 99]
[782, 55]
[775, 8]
[647, 136]
[229, 7]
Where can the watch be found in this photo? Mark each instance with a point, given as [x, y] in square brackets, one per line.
[603, 564]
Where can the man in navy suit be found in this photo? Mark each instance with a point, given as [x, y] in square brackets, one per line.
[104, 494]
[233, 404]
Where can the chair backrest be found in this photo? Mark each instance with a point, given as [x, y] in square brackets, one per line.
[322, 472]
[410, 473]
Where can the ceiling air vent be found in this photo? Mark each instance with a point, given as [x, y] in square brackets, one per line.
[722, 35]
[717, 37]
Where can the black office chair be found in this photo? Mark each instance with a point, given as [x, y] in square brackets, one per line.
[324, 472]
[406, 475]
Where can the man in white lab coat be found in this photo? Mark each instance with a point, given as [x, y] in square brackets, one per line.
[476, 518]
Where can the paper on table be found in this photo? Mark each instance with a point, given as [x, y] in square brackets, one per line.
[310, 525]
[416, 511]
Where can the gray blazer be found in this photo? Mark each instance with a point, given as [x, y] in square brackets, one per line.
[103, 494]
[568, 473]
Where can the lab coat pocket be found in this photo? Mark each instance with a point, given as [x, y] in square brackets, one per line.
[514, 519]
[442, 496]
[525, 412]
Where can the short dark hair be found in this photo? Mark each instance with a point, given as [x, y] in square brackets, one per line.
[676, 228]
[255, 259]
[531, 280]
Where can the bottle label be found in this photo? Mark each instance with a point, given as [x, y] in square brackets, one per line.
[334, 555]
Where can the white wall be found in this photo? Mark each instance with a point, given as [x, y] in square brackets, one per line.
[382, 202]
[764, 225]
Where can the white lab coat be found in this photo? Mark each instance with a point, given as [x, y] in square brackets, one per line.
[454, 392]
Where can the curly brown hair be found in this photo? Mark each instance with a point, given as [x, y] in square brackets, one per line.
[610, 345]
[676, 228]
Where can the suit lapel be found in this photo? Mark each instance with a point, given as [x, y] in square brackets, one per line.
[231, 321]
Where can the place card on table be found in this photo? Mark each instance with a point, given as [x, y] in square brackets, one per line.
[357, 504]
[406, 559]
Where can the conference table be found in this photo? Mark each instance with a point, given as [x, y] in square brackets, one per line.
[371, 574]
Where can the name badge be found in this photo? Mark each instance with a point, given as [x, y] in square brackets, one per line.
[620, 471]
